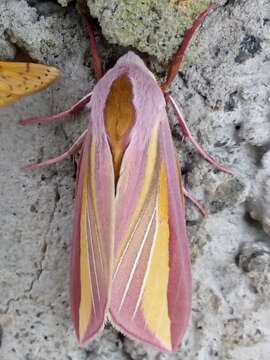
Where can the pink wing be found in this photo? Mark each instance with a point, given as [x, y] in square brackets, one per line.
[151, 286]
[92, 243]
[130, 249]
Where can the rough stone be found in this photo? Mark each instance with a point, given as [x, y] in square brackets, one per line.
[153, 27]
[45, 8]
[64, 2]
[223, 91]
[259, 198]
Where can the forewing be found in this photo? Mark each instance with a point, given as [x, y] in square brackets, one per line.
[91, 251]
[151, 287]
[20, 79]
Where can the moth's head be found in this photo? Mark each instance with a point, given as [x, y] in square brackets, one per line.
[130, 58]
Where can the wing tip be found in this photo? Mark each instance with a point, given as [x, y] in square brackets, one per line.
[156, 343]
[88, 335]
[55, 71]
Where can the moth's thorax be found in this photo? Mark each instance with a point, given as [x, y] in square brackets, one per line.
[126, 105]
[119, 119]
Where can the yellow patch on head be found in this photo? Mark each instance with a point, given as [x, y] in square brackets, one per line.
[20, 79]
[119, 118]
[155, 300]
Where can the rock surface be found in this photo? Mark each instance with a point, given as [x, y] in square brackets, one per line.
[154, 27]
[259, 198]
[225, 96]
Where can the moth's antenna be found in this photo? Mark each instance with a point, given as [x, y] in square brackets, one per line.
[176, 62]
[93, 46]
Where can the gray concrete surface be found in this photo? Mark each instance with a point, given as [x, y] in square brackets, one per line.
[225, 95]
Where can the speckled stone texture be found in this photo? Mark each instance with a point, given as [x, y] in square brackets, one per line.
[259, 198]
[224, 93]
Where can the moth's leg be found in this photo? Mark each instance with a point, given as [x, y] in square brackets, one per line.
[176, 62]
[186, 133]
[73, 150]
[75, 109]
[93, 46]
[195, 202]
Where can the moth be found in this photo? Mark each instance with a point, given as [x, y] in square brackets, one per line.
[18, 79]
[130, 260]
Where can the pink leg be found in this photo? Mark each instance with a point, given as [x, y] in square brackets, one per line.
[176, 62]
[186, 132]
[76, 108]
[93, 46]
[74, 148]
[195, 202]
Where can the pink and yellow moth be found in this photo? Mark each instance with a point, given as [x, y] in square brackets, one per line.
[130, 259]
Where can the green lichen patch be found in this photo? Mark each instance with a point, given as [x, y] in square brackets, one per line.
[154, 27]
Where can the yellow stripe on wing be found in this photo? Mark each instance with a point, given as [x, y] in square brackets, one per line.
[155, 300]
[146, 187]
[85, 309]
[95, 214]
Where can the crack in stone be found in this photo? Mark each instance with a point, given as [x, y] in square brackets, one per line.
[24, 296]
[45, 244]
[43, 251]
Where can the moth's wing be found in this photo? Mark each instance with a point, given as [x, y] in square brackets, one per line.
[151, 286]
[92, 242]
[20, 79]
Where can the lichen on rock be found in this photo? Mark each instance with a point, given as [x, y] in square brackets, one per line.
[154, 27]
